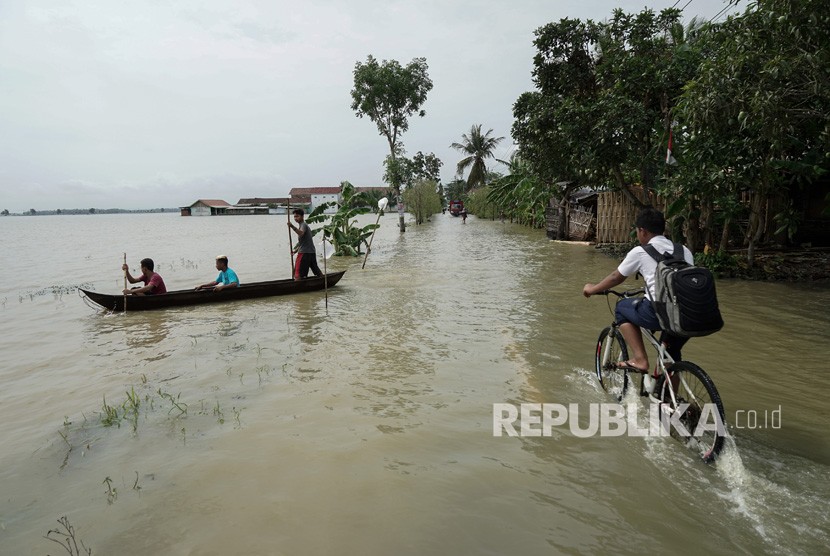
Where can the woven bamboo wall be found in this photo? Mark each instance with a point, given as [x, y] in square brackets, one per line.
[616, 214]
[581, 224]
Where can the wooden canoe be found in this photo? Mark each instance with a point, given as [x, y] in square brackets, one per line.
[193, 297]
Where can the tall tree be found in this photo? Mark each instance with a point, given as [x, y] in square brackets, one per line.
[604, 93]
[389, 94]
[478, 147]
[758, 110]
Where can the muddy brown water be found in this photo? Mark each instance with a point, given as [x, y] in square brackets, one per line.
[276, 427]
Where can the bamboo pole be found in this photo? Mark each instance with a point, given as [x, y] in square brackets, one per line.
[125, 284]
[290, 241]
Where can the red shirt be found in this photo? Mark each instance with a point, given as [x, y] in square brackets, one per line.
[157, 282]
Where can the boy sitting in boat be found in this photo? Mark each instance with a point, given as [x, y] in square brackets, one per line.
[227, 277]
[153, 284]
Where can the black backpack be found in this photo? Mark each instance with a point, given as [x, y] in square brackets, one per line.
[685, 299]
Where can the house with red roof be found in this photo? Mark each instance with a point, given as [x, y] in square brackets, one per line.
[206, 207]
[313, 197]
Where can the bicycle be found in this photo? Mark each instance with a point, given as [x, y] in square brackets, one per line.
[688, 391]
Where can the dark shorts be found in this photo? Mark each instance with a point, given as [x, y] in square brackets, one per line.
[640, 311]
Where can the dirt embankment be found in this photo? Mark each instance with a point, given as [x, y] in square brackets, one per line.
[794, 265]
[790, 266]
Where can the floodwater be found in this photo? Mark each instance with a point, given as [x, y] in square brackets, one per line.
[278, 426]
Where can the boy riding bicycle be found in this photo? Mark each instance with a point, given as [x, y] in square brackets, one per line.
[633, 313]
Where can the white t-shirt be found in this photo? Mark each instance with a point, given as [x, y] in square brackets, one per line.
[637, 260]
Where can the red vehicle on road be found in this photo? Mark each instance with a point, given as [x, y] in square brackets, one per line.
[456, 207]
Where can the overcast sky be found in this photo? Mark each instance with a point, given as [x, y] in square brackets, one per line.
[158, 103]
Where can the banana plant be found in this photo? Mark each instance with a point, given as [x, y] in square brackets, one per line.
[342, 229]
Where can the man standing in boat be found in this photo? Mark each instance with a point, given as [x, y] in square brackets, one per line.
[306, 253]
[227, 277]
[153, 284]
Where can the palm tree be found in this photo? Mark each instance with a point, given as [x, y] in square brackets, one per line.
[478, 148]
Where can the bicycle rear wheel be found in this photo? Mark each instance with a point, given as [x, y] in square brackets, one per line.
[702, 420]
[611, 349]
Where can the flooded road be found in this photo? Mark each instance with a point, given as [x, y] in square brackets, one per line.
[276, 426]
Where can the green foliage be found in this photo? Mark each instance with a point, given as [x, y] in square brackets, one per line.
[455, 191]
[372, 197]
[756, 115]
[787, 221]
[110, 415]
[604, 92]
[406, 171]
[478, 148]
[389, 94]
[747, 101]
[422, 200]
[719, 262]
[479, 204]
[342, 230]
[520, 195]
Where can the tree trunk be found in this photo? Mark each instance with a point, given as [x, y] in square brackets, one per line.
[707, 218]
[620, 179]
[756, 227]
[724, 237]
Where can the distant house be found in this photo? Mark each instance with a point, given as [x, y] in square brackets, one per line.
[206, 207]
[262, 201]
[383, 189]
[261, 205]
[315, 196]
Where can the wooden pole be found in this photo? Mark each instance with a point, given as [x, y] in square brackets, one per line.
[381, 207]
[125, 284]
[371, 239]
[290, 246]
[325, 272]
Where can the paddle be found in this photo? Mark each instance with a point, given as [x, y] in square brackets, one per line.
[381, 205]
[125, 284]
[290, 247]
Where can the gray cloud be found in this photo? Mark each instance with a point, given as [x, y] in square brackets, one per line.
[148, 104]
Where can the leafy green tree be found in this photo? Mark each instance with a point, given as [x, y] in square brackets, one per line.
[5, 212]
[346, 237]
[477, 147]
[389, 94]
[455, 190]
[757, 114]
[422, 199]
[408, 170]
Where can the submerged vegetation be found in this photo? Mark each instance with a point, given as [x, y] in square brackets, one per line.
[64, 535]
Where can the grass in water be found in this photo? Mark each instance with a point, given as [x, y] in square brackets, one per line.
[112, 492]
[65, 536]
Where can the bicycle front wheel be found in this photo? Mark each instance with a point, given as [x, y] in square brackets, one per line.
[702, 416]
[611, 349]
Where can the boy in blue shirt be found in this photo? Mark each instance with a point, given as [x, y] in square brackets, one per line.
[227, 277]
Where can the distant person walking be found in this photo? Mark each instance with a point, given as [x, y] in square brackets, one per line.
[306, 253]
[153, 284]
[464, 216]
